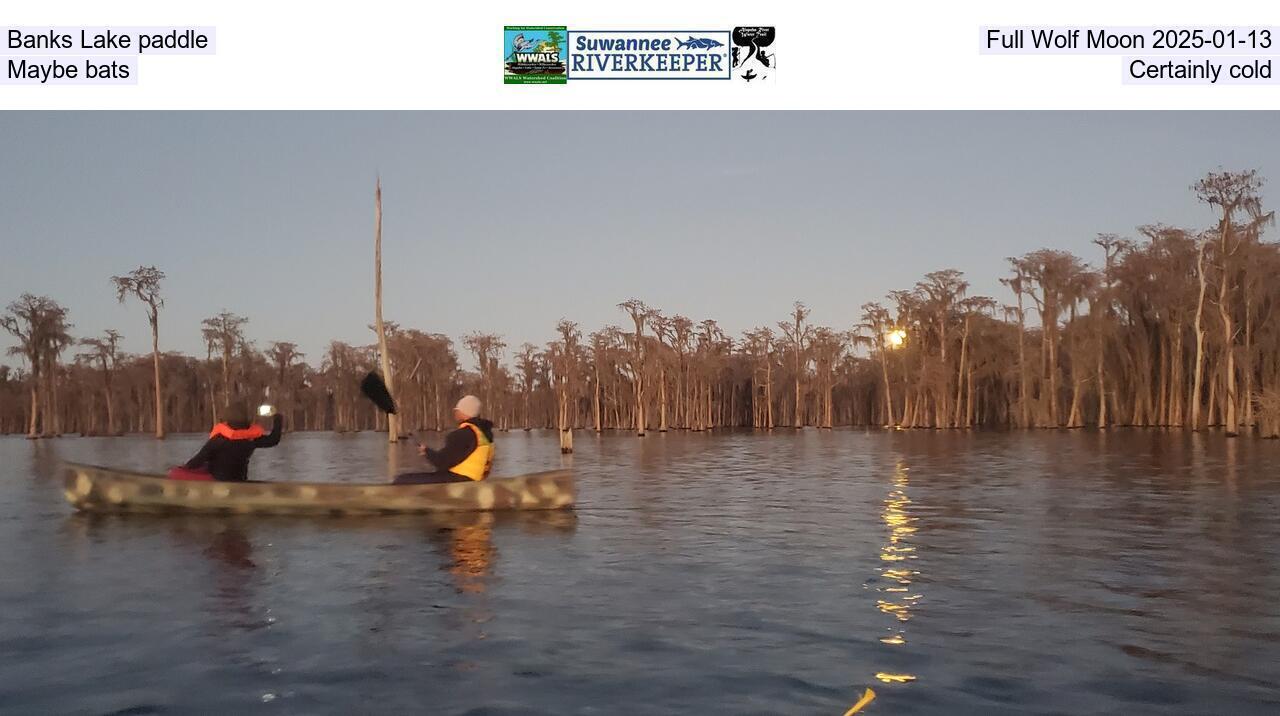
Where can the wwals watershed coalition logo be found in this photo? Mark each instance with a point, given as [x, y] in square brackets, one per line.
[544, 55]
[534, 55]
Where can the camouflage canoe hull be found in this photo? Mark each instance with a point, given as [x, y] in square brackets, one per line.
[100, 489]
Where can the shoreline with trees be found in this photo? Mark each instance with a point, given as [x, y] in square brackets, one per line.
[1174, 328]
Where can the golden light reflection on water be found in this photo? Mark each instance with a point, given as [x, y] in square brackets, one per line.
[896, 577]
[472, 551]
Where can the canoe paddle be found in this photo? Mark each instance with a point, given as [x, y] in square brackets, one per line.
[376, 390]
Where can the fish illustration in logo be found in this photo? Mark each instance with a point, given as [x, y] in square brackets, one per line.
[698, 43]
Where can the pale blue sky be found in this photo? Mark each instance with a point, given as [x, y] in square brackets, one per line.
[506, 222]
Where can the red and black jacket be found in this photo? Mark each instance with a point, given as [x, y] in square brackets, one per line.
[227, 452]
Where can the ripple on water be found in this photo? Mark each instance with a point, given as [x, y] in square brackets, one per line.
[952, 572]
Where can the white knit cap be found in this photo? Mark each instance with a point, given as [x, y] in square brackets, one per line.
[469, 406]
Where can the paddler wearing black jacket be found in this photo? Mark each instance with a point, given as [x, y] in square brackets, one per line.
[232, 442]
[467, 454]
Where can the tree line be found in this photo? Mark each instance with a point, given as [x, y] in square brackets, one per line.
[1172, 327]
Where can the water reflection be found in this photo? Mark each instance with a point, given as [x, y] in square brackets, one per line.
[227, 549]
[708, 574]
[231, 555]
[232, 549]
[465, 543]
[896, 575]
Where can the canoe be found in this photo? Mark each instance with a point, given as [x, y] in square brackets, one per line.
[100, 489]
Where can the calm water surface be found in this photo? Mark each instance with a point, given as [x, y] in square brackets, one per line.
[953, 573]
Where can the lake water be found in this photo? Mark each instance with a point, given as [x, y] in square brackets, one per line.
[952, 573]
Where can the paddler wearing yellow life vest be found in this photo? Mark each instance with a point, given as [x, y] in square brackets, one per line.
[467, 454]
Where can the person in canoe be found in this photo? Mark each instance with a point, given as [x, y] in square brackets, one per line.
[225, 456]
[467, 453]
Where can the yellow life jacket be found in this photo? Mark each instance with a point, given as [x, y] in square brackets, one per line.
[476, 465]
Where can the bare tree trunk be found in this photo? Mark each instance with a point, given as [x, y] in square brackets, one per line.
[1176, 386]
[1102, 390]
[226, 376]
[35, 406]
[1213, 401]
[1162, 391]
[111, 411]
[596, 401]
[960, 373]
[710, 421]
[662, 396]
[1246, 359]
[393, 423]
[969, 414]
[1051, 330]
[1198, 379]
[1074, 418]
[155, 359]
[1228, 350]
[888, 392]
[1024, 408]
[439, 418]
[768, 390]
[562, 422]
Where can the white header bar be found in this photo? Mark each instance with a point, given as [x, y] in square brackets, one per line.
[395, 54]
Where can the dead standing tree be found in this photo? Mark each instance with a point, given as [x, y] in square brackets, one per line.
[105, 352]
[664, 333]
[640, 314]
[384, 355]
[1236, 196]
[284, 356]
[1102, 315]
[969, 307]
[39, 324]
[604, 344]
[1054, 273]
[909, 322]
[758, 347]
[1202, 279]
[563, 357]
[486, 347]
[797, 333]
[942, 290]
[226, 332]
[528, 363]
[681, 335]
[144, 284]
[1018, 283]
[711, 348]
[877, 321]
[828, 350]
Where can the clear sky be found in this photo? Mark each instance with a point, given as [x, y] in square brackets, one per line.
[506, 222]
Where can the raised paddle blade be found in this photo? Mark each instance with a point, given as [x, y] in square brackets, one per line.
[374, 389]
